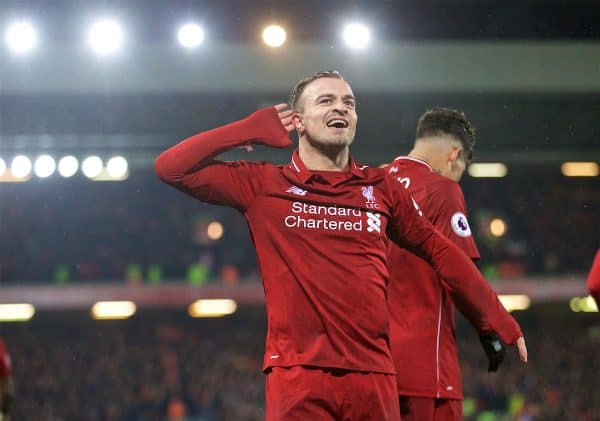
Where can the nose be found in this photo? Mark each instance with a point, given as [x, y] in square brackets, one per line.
[340, 107]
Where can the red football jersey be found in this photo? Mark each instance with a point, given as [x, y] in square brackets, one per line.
[421, 309]
[594, 279]
[5, 362]
[321, 243]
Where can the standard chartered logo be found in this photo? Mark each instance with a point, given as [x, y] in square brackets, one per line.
[374, 222]
[331, 218]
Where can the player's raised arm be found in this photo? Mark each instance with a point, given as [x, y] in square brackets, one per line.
[411, 230]
[190, 166]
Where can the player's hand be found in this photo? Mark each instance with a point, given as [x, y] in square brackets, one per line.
[522, 348]
[271, 133]
[494, 349]
[285, 116]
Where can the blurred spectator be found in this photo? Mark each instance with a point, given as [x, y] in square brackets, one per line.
[164, 366]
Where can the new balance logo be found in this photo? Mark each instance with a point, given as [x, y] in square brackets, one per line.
[296, 190]
[373, 222]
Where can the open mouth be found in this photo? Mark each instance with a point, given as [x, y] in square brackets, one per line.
[337, 123]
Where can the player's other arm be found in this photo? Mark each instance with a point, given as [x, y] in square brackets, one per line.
[411, 230]
[450, 218]
[594, 279]
[190, 165]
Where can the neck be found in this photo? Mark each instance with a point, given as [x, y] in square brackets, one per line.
[319, 158]
[428, 152]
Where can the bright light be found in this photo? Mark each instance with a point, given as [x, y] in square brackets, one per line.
[20, 166]
[21, 37]
[356, 35]
[113, 310]
[190, 35]
[583, 304]
[487, 169]
[2, 167]
[497, 227]
[116, 167]
[91, 166]
[105, 36]
[67, 166]
[214, 230]
[16, 312]
[44, 166]
[515, 302]
[212, 308]
[274, 36]
[580, 169]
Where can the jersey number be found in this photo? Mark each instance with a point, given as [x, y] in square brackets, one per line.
[405, 181]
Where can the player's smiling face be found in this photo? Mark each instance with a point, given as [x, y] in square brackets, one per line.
[327, 113]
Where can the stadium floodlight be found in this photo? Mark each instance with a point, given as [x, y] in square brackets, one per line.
[20, 312]
[214, 231]
[20, 167]
[497, 227]
[580, 169]
[190, 35]
[117, 167]
[113, 310]
[274, 36]
[91, 166]
[487, 169]
[68, 166]
[44, 166]
[2, 167]
[356, 35]
[515, 302]
[105, 36]
[21, 37]
[212, 308]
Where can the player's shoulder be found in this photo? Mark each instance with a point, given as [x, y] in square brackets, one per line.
[443, 187]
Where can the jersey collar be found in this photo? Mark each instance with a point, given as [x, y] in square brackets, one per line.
[303, 174]
[417, 160]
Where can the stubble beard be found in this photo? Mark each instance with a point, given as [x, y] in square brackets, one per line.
[330, 144]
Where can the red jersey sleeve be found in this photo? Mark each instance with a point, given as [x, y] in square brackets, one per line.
[5, 362]
[190, 165]
[449, 216]
[593, 281]
[410, 229]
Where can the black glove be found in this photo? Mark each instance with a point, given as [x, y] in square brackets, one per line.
[494, 349]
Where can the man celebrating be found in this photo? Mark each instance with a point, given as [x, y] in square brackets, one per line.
[319, 225]
[421, 307]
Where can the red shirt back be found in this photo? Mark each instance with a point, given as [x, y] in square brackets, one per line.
[421, 309]
[5, 362]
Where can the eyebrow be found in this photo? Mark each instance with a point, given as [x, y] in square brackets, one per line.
[348, 96]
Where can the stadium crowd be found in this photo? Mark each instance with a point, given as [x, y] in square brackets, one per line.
[165, 366]
[88, 231]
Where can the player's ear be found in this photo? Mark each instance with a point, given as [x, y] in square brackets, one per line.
[298, 123]
[454, 154]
